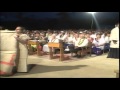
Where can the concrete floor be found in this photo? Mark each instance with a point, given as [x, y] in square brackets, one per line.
[89, 67]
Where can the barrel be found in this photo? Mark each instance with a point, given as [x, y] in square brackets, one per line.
[8, 51]
[7, 62]
[15, 48]
[7, 41]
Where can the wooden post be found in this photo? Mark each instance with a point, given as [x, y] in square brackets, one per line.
[37, 45]
[38, 50]
[61, 51]
[51, 53]
[56, 45]
[30, 48]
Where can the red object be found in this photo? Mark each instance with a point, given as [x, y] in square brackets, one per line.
[4, 73]
[66, 57]
[7, 63]
[40, 47]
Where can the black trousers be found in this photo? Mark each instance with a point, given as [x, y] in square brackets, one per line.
[57, 49]
[75, 50]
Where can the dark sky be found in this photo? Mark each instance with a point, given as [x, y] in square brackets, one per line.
[78, 15]
[101, 17]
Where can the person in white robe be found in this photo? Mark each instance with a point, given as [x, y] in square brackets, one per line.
[114, 43]
[22, 39]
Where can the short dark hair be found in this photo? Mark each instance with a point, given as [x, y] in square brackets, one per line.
[98, 33]
[22, 29]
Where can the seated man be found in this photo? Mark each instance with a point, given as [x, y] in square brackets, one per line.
[98, 44]
[69, 42]
[52, 39]
[74, 39]
[107, 42]
[87, 36]
[81, 42]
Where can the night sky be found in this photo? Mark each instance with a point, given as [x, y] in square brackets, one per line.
[58, 20]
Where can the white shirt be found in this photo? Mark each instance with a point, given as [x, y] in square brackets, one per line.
[54, 40]
[107, 39]
[93, 36]
[103, 36]
[69, 40]
[49, 37]
[64, 37]
[114, 36]
[58, 36]
[84, 43]
[99, 42]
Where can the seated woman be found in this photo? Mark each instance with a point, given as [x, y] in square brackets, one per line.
[98, 44]
[81, 42]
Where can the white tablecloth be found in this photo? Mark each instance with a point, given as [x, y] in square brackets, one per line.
[46, 48]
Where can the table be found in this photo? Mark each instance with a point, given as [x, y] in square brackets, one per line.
[34, 42]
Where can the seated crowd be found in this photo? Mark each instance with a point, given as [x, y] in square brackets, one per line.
[73, 41]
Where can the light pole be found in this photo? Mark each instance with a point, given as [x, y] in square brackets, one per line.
[92, 18]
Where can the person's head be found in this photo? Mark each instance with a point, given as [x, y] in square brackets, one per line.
[37, 34]
[53, 36]
[55, 32]
[87, 35]
[68, 34]
[62, 33]
[93, 32]
[76, 35]
[108, 34]
[117, 25]
[19, 29]
[98, 35]
[48, 31]
[81, 35]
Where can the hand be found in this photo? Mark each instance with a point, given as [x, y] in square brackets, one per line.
[17, 38]
[71, 41]
[96, 45]
[76, 46]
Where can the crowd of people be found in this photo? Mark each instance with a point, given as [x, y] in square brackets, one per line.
[75, 40]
